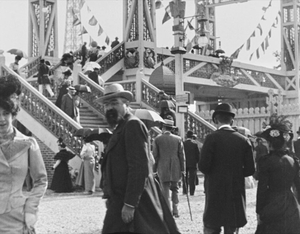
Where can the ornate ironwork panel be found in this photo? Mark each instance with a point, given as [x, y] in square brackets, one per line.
[110, 59]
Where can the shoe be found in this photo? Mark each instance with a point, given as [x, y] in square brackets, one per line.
[88, 193]
[176, 215]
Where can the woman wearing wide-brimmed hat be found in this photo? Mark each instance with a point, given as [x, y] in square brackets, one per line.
[277, 206]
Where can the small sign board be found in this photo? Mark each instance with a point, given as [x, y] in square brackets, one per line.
[182, 97]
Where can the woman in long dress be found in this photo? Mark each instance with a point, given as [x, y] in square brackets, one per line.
[86, 177]
[66, 82]
[19, 154]
[61, 182]
[277, 206]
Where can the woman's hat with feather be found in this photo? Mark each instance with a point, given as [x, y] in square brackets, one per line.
[279, 126]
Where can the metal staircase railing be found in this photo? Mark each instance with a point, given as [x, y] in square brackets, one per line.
[149, 100]
[111, 58]
[47, 114]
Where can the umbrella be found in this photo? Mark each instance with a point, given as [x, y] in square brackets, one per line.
[90, 66]
[99, 134]
[145, 114]
[82, 88]
[82, 132]
[219, 51]
[167, 103]
[17, 52]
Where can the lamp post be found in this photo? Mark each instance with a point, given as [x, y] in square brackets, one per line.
[178, 10]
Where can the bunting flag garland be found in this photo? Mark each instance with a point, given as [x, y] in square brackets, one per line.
[189, 46]
[251, 56]
[236, 53]
[100, 31]
[257, 53]
[91, 25]
[248, 44]
[260, 29]
[107, 40]
[93, 21]
[266, 42]
[263, 46]
[167, 14]
[76, 20]
[83, 31]
[190, 25]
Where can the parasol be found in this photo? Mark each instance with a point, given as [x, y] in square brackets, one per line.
[17, 52]
[82, 88]
[90, 66]
[99, 134]
[167, 103]
[145, 114]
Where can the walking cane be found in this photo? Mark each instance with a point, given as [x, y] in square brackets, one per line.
[187, 196]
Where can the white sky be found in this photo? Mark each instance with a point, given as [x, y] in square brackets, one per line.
[234, 24]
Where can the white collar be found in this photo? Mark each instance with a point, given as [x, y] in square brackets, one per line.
[224, 126]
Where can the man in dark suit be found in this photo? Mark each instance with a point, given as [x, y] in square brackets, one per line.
[226, 158]
[297, 144]
[169, 158]
[67, 102]
[192, 158]
[134, 204]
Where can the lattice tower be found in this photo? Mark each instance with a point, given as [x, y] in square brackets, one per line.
[73, 39]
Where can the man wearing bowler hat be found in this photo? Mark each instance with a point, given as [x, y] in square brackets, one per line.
[134, 204]
[297, 144]
[226, 158]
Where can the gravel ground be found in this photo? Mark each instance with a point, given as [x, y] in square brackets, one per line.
[76, 213]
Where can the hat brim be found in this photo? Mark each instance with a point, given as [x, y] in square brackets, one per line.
[124, 94]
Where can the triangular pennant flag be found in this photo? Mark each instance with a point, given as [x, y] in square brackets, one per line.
[236, 53]
[264, 8]
[167, 14]
[263, 46]
[270, 33]
[100, 31]
[190, 26]
[263, 18]
[251, 56]
[270, 3]
[260, 29]
[253, 34]
[158, 4]
[279, 13]
[189, 46]
[276, 20]
[83, 31]
[76, 21]
[107, 40]
[88, 9]
[273, 25]
[81, 3]
[266, 42]
[248, 44]
[257, 53]
[93, 21]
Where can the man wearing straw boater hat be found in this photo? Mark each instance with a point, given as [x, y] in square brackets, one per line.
[169, 156]
[134, 204]
[226, 158]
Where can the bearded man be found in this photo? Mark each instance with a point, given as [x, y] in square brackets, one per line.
[134, 204]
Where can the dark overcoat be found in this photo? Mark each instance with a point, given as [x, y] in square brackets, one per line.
[297, 148]
[226, 158]
[191, 153]
[128, 178]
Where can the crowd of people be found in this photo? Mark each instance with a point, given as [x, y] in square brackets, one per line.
[137, 177]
